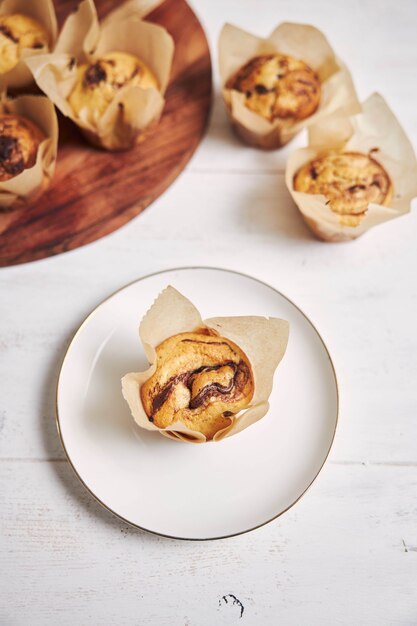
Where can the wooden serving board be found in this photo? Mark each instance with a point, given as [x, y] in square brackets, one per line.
[95, 192]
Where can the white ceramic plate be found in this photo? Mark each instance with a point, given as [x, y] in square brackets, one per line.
[184, 490]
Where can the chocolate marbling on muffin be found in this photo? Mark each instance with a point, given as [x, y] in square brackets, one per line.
[19, 142]
[349, 180]
[277, 86]
[98, 83]
[201, 380]
[18, 32]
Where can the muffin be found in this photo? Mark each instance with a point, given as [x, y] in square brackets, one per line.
[28, 28]
[277, 86]
[28, 147]
[98, 82]
[19, 143]
[357, 171]
[17, 33]
[207, 379]
[201, 380]
[350, 181]
[108, 77]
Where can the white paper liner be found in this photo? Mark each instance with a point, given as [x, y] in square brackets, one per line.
[376, 127]
[42, 11]
[263, 340]
[134, 109]
[22, 189]
[302, 41]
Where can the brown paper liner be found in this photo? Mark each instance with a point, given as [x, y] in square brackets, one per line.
[134, 110]
[237, 47]
[375, 130]
[24, 188]
[43, 11]
[263, 340]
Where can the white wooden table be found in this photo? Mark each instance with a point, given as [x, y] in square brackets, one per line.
[347, 552]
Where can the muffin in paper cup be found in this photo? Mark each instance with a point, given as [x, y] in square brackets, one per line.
[357, 171]
[28, 149]
[274, 87]
[27, 28]
[108, 78]
[207, 379]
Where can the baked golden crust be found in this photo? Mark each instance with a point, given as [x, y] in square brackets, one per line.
[277, 86]
[201, 380]
[349, 180]
[17, 32]
[19, 142]
[98, 82]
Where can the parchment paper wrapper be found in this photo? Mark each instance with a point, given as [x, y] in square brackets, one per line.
[132, 8]
[263, 340]
[24, 188]
[304, 42]
[134, 109]
[375, 128]
[43, 12]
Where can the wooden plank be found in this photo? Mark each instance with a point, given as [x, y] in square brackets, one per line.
[93, 569]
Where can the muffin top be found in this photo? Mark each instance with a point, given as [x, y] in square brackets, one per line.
[277, 86]
[19, 142]
[18, 32]
[349, 180]
[201, 380]
[98, 82]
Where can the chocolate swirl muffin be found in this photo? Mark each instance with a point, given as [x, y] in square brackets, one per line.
[19, 142]
[19, 32]
[201, 380]
[277, 86]
[98, 82]
[349, 180]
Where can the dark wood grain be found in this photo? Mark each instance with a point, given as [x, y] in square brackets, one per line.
[95, 192]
